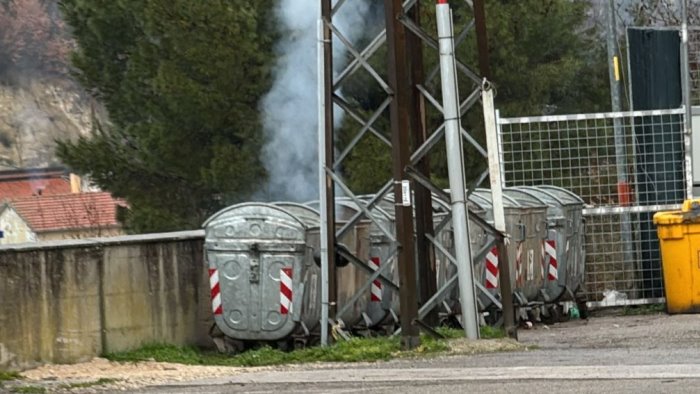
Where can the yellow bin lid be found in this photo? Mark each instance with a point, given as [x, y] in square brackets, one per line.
[690, 212]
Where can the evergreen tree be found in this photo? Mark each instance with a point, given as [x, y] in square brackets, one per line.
[181, 82]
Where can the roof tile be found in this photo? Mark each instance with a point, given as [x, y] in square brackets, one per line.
[68, 211]
[26, 187]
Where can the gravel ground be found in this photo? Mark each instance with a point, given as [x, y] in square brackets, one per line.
[604, 341]
[125, 376]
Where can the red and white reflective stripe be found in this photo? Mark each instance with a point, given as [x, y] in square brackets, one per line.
[519, 263]
[542, 261]
[285, 290]
[376, 288]
[215, 291]
[550, 248]
[492, 269]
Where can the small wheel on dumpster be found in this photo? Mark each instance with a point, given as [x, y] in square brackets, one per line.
[451, 321]
[553, 315]
[223, 343]
[300, 343]
[285, 345]
[227, 345]
[563, 316]
[495, 317]
[582, 307]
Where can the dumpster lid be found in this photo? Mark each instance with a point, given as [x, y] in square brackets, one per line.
[308, 215]
[483, 196]
[378, 213]
[383, 206]
[564, 194]
[346, 209]
[551, 200]
[438, 205]
[343, 210]
[525, 198]
[547, 196]
[252, 209]
[690, 212]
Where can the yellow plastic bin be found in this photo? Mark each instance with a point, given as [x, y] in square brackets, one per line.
[679, 237]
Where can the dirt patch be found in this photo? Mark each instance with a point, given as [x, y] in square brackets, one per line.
[466, 346]
[101, 374]
[118, 376]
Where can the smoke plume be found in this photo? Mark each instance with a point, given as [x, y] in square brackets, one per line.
[290, 109]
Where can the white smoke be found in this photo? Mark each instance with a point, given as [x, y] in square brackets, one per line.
[290, 109]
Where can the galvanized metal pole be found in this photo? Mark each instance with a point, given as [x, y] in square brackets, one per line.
[399, 82]
[685, 73]
[623, 188]
[499, 217]
[322, 184]
[427, 282]
[325, 180]
[455, 168]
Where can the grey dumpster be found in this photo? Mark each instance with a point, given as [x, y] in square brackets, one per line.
[383, 305]
[443, 234]
[526, 223]
[573, 207]
[559, 237]
[358, 240]
[264, 284]
[446, 270]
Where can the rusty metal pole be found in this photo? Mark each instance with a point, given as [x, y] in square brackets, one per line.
[399, 82]
[427, 282]
[326, 8]
[482, 40]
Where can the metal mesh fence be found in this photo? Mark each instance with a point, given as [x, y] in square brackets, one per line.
[694, 64]
[625, 166]
[609, 267]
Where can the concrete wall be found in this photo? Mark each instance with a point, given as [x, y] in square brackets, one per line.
[68, 301]
[80, 233]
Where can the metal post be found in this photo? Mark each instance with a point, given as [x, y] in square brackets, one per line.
[322, 184]
[623, 187]
[455, 167]
[326, 184]
[398, 78]
[685, 74]
[427, 285]
[499, 219]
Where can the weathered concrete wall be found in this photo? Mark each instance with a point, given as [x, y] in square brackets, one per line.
[80, 234]
[68, 301]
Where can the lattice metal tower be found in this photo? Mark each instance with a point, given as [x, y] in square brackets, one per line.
[409, 89]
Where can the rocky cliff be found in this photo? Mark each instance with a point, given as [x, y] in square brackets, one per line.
[37, 112]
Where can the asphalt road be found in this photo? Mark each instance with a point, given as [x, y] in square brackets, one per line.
[637, 354]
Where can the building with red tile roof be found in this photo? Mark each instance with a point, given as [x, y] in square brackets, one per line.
[34, 181]
[60, 216]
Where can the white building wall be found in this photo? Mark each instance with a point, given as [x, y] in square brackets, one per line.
[15, 229]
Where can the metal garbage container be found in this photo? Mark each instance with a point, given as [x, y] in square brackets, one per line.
[526, 223]
[446, 270]
[349, 277]
[552, 260]
[557, 247]
[383, 303]
[261, 272]
[576, 250]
